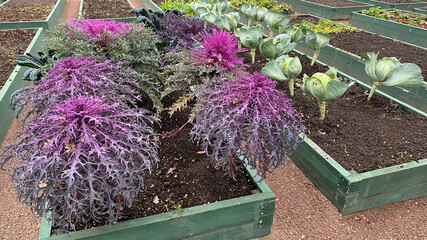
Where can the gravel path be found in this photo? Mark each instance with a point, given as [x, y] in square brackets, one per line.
[302, 212]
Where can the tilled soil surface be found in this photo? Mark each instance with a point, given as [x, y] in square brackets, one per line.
[102, 9]
[21, 10]
[337, 3]
[12, 42]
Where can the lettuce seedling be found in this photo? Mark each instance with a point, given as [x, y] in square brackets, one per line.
[324, 87]
[246, 117]
[315, 41]
[82, 159]
[276, 21]
[284, 68]
[112, 80]
[390, 72]
[272, 48]
[251, 37]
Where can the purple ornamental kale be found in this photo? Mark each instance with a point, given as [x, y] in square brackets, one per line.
[219, 50]
[99, 31]
[181, 31]
[82, 159]
[111, 80]
[247, 117]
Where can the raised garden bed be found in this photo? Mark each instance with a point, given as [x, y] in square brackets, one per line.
[334, 10]
[16, 42]
[356, 185]
[399, 4]
[346, 57]
[30, 14]
[420, 10]
[396, 30]
[109, 9]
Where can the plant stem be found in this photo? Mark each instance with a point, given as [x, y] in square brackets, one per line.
[271, 33]
[249, 21]
[322, 107]
[291, 86]
[373, 88]
[239, 45]
[315, 55]
[253, 55]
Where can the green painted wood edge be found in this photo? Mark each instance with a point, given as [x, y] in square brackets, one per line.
[396, 30]
[352, 65]
[14, 83]
[419, 10]
[81, 10]
[2, 2]
[150, 5]
[352, 192]
[328, 12]
[262, 205]
[401, 6]
[51, 20]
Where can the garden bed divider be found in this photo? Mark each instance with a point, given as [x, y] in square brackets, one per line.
[396, 30]
[51, 20]
[239, 218]
[420, 10]
[324, 11]
[353, 192]
[401, 6]
[14, 83]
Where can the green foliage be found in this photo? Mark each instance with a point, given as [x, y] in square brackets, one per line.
[178, 4]
[326, 26]
[390, 72]
[272, 48]
[324, 87]
[315, 41]
[415, 19]
[269, 4]
[38, 65]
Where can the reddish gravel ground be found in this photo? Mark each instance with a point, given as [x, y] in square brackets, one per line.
[302, 212]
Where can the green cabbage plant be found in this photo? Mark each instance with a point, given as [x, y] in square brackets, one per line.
[251, 37]
[228, 22]
[276, 21]
[315, 41]
[272, 48]
[324, 87]
[253, 12]
[390, 72]
[284, 68]
[296, 34]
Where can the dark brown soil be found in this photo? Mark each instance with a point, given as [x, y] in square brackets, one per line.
[397, 1]
[360, 136]
[184, 177]
[336, 3]
[359, 42]
[12, 42]
[103, 9]
[22, 10]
